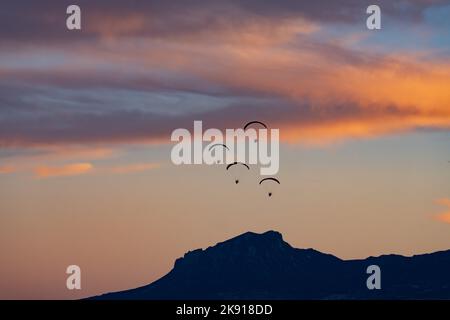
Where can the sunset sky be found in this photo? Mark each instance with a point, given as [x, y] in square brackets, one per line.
[86, 116]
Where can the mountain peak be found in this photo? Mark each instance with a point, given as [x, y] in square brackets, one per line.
[243, 245]
[264, 266]
[268, 236]
[271, 234]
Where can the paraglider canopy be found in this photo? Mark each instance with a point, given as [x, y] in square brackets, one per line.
[237, 163]
[254, 122]
[270, 179]
[216, 145]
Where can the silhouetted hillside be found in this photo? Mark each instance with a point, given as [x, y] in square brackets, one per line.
[263, 266]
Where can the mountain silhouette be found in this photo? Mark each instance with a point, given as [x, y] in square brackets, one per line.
[264, 266]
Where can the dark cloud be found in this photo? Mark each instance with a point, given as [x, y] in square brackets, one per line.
[44, 21]
[62, 126]
[128, 91]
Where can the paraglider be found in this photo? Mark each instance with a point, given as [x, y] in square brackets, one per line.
[237, 168]
[254, 122]
[218, 145]
[269, 179]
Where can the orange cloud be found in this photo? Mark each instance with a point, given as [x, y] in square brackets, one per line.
[444, 217]
[135, 167]
[7, 169]
[66, 170]
[388, 93]
[66, 152]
